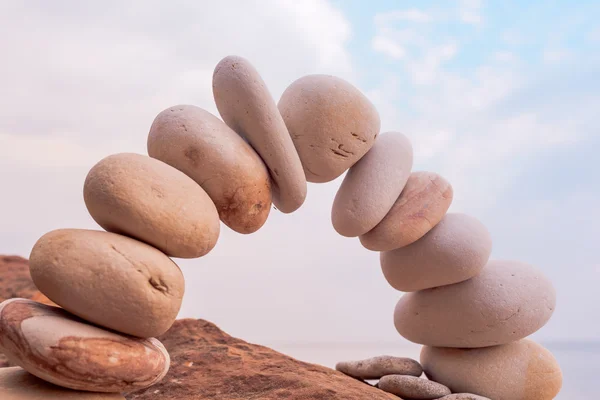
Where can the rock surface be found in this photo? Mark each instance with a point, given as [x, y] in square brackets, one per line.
[149, 200]
[246, 105]
[372, 185]
[507, 301]
[62, 349]
[331, 122]
[412, 387]
[18, 384]
[521, 370]
[204, 148]
[15, 281]
[376, 367]
[455, 250]
[108, 279]
[207, 363]
[421, 205]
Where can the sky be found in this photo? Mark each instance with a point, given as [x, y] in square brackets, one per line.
[498, 97]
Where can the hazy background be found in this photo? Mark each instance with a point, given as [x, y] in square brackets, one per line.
[500, 98]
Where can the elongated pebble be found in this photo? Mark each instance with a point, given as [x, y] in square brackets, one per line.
[421, 206]
[245, 104]
[455, 250]
[204, 148]
[331, 122]
[108, 279]
[507, 301]
[372, 185]
[376, 367]
[463, 396]
[61, 349]
[412, 387]
[18, 384]
[149, 200]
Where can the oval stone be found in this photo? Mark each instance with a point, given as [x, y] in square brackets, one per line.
[108, 279]
[245, 104]
[376, 367]
[331, 122]
[507, 301]
[18, 384]
[455, 250]
[151, 201]
[412, 387]
[421, 205]
[59, 348]
[521, 370]
[463, 396]
[372, 185]
[200, 145]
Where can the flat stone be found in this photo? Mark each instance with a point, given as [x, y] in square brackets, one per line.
[204, 148]
[463, 396]
[521, 370]
[455, 250]
[421, 205]
[61, 349]
[109, 279]
[507, 301]
[372, 185]
[245, 104]
[331, 122]
[412, 387]
[18, 384]
[149, 200]
[376, 367]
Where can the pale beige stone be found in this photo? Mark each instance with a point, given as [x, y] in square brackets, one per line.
[372, 185]
[412, 387]
[455, 250]
[204, 148]
[463, 396]
[151, 201]
[331, 122]
[376, 367]
[59, 348]
[507, 301]
[108, 279]
[245, 104]
[521, 370]
[18, 384]
[421, 206]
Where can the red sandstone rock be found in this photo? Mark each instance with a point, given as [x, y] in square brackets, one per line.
[207, 363]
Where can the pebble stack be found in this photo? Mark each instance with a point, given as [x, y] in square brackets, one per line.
[118, 289]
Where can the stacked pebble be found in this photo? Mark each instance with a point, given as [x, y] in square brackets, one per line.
[119, 288]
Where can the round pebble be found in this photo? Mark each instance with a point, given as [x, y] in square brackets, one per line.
[59, 348]
[455, 250]
[18, 384]
[332, 124]
[246, 105]
[108, 279]
[463, 396]
[372, 185]
[412, 387]
[421, 205]
[521, 370]
[200, 145]
[151, 201]
[507, 301]
[376, 367]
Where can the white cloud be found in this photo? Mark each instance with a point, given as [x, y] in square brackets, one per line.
[555, 55]
[410, 15]
[470, 11]
[385, 45]
[505, 56]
